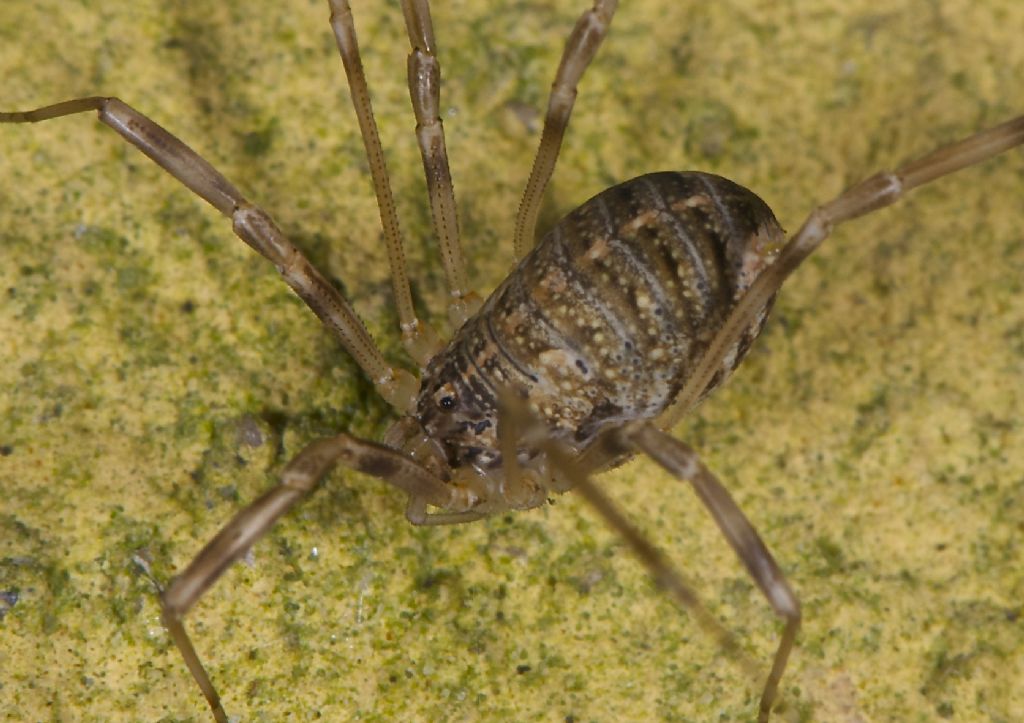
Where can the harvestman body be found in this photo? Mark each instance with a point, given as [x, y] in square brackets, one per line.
[629, 312]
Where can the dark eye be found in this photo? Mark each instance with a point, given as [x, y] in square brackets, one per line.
[445, 397]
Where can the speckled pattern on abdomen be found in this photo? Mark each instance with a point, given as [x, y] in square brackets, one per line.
[602, 321]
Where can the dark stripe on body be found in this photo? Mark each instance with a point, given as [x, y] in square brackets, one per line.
[602, 321]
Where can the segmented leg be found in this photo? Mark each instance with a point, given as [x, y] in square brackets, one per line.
[569, 473]
[299, 478]
[682, 462]
[251, 224]
[580, 49]
[419, 339]
[871, 194]
[425, 91]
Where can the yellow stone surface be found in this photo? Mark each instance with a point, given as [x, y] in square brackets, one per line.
[874, 437]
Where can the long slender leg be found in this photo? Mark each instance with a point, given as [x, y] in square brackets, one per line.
[871, 194]
[425, 91]
[580, 49]
[251, 224]
[516, 419]
[299, 478]
[682, 462]
[419, 339]
[664, 572]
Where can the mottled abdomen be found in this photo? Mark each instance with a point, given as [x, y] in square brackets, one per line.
[603, 320]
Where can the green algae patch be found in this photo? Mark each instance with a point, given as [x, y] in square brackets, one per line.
[155, 375]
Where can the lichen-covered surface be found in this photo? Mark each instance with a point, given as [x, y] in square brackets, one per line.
[155, 375]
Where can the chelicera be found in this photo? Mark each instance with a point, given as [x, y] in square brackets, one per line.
[626, 315]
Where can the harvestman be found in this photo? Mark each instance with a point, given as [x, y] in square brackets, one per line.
[486, 429]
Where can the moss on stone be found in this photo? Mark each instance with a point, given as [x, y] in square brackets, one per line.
[155, 374]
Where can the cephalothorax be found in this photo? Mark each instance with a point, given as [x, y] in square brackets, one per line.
[629, 312]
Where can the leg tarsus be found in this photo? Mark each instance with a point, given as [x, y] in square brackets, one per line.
[173, 621]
